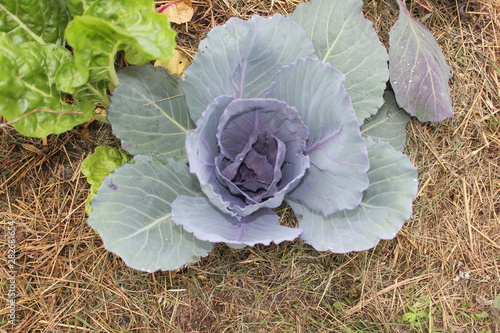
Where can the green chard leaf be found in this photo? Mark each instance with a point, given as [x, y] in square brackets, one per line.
[419, 73]
[41, 21]
[29, 98]
[106, 27]
[78, 7]
[98, 166]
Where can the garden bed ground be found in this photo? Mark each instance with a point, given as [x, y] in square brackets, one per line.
[439, 274]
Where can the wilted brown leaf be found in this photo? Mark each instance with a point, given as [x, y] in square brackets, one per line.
[180, 11]
[175, 65]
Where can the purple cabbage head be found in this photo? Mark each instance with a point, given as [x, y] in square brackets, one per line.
[248, 153]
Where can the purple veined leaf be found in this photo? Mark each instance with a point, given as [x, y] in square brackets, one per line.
[343, 37]
[268, 116]
[386, 206]
[202, 149]
[207, 223]
[418, 70]
[337, 176]
[240, 59]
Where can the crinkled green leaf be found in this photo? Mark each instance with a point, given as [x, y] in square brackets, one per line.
[240, 59]
[132, 214]
[389, 124]
[386, 205]
[337, 177]
[98, 166]
[105, 28]
[78, 7]
[28, 94]
[91, 93]
[419, 72]
[344, 38]
[149, 113]
[42, 21]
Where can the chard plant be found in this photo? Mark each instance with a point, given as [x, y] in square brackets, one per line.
[37, 71]
[280, 109]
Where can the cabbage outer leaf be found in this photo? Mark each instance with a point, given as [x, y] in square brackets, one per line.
[241, 58]
[344, 38]
[339, 161]
[389, 124]
[418, 69]
[149, 113]
[132, 214]
[208, 223]
[386, 205]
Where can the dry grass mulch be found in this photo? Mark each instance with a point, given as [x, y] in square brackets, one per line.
[439, 274]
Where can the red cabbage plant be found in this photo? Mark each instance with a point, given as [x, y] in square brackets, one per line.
[281, 109]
